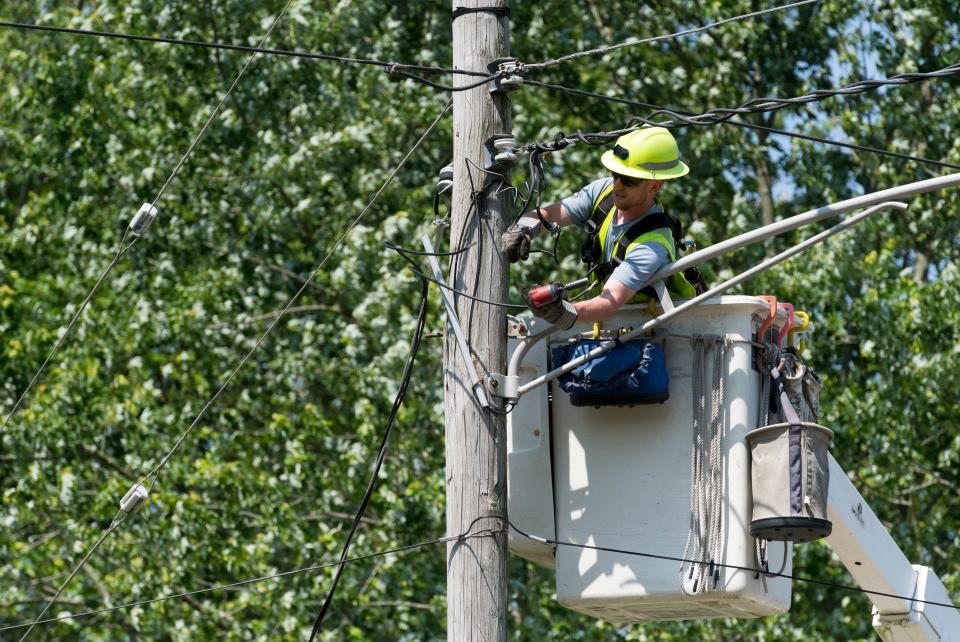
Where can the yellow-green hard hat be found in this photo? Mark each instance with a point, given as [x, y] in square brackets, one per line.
[649, 152]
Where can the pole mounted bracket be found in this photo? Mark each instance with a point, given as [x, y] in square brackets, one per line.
[508, 75]
[505, 387]
[476, 383]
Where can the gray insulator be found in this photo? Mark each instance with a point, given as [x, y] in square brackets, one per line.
[140, 223]
[134, 500]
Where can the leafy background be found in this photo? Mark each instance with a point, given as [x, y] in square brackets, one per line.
[89, 129]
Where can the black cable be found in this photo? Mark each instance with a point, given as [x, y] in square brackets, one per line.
[413, 267]
[500, 12]
[307, 569]
[436, 85]
[223, 100]
[216, 45]
[740, 123]
[671, 558]
[405, 251]
[381, 455]
[122, 248]
[718, 116]
[686, 32]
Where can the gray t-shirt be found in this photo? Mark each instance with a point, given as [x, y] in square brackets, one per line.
[642, 260]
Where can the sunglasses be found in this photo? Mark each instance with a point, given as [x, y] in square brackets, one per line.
[627, 181]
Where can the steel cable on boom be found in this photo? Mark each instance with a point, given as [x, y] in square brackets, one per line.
[686, 32]
[747, 125]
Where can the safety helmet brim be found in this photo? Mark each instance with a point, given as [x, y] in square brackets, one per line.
[614, 164]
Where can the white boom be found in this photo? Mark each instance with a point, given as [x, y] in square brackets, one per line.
[876, 563]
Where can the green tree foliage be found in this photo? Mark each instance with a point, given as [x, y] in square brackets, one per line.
[270, 478]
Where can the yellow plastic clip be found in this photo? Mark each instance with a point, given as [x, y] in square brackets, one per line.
[792, 334]
[596, 329]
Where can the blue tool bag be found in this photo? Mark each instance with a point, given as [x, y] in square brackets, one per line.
[635, 372]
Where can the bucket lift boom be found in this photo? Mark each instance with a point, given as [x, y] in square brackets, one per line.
[878, 565]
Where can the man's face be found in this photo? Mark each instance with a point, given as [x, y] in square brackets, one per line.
[634, 195]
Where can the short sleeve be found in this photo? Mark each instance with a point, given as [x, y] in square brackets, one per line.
[641, 262]
[579, 206]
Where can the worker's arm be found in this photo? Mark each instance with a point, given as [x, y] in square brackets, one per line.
[641, 263]
[601, 307]
[555, 213]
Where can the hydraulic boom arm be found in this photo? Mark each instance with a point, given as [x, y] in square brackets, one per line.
[876, 563]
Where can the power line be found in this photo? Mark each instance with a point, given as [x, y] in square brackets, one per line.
[686, 32]
[147, 480]
[746, 125]
[451, 538]
[381, 455]
[223, 100]
[718, 116]
[163, 462]
[121, 515]
[122, 248]
[413, 267]
[490, 532]
[114, 523]
[735, 567]
[398, 67]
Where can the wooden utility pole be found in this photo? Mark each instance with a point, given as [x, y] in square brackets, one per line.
[476, 475]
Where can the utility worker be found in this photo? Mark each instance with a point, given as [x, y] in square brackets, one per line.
[629, 236]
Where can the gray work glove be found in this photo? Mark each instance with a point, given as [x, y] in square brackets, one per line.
[560, 313]
[515, 242]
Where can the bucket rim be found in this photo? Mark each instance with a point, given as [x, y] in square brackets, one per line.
[786, 424]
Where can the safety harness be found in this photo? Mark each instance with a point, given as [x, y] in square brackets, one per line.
[649, 228]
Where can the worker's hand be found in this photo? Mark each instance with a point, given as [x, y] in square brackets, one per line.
[560, 313]
[515, 242]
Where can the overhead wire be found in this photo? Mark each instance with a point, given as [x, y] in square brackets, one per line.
[747, 125]
[114, 524]
[398, 67]
[121, 515]
[489, 532]
[183, 437]
[717, 116]
[468, 534]
[223, 100]
[381, 455]
[414, 268]
[147, 480]
[735, 567]
[122, 248]
[631, 42]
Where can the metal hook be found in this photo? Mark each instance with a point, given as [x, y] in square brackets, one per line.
[783, 331]
[762, 331]
[793, 332]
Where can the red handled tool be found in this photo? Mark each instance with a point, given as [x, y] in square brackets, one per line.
[542, 295]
